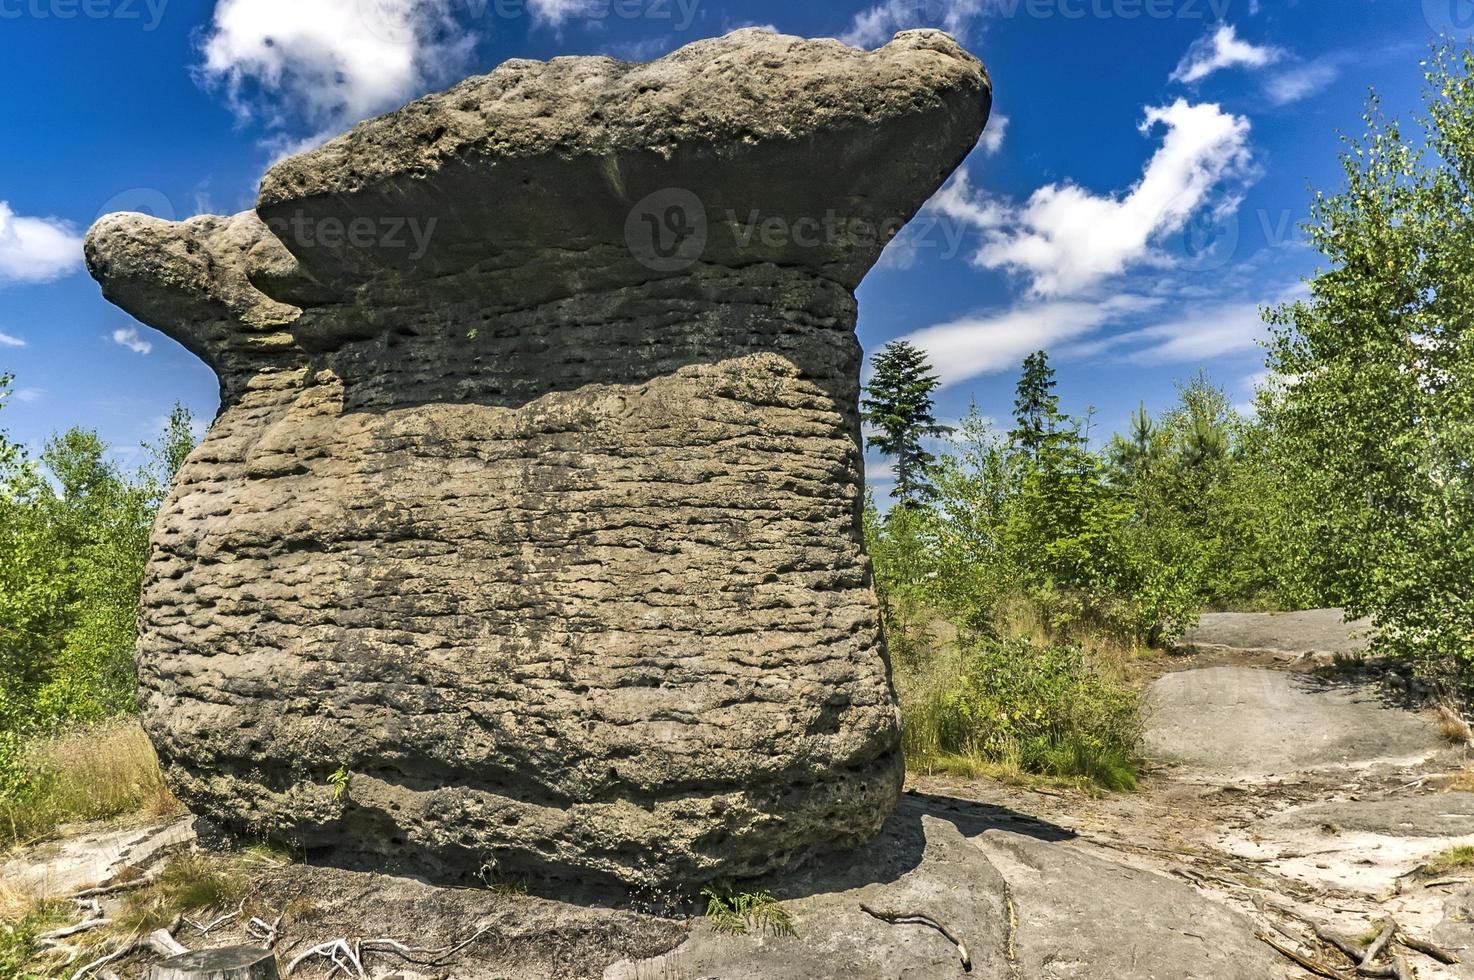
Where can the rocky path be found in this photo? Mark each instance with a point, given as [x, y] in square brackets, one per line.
[1288, 798]
[1276, 801]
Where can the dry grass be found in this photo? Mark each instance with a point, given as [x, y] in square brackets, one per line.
[1453, 727]
[189, 884]
[89, 774]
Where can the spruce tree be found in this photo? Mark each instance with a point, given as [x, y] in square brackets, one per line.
[1035, 405]
[898, 406]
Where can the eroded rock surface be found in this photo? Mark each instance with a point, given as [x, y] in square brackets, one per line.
[534, 501]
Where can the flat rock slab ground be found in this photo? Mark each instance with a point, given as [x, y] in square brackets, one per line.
[93, 857]
[1308, 632]
[1243, 723]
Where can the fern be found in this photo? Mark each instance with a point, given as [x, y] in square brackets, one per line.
[339, 781]
[735, 912]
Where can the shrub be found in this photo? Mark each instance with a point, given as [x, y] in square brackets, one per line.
[1041, 709]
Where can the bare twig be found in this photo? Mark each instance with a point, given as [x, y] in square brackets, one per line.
[218, 920]
[65, 931]
[1427, 948]
[267, 934]
[113, 889]
[103, 960]
[1308, 962]
[1389, 928]
[917, 918]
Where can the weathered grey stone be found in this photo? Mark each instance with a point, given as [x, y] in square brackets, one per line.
[534, 499]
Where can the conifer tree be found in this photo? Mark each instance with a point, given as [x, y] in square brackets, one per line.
[898, 406]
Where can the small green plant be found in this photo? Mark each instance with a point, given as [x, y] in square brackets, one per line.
[21, 921]
[339, 780]
[737, 912]
[1458, 858]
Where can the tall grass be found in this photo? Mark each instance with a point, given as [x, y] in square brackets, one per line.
[989, 706]
[90, 773]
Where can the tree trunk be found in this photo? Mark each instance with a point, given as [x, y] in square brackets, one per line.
[225, 963]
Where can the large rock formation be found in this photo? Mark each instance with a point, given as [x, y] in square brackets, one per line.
[533, 504]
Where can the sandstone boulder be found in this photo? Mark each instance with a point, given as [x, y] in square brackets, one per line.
[527, 541]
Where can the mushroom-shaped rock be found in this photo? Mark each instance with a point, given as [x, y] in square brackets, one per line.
[527, 541]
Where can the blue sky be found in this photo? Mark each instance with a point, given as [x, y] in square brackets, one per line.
[1135, 200]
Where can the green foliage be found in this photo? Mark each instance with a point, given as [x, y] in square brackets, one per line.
[91, 773]
[732, 911]
[19, 933]
[339, 779]
[73, 540]
[1044, 709]
[1373, 421]
[898, 406]
[1035, 405]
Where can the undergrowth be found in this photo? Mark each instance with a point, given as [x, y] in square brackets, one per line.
[91, 773]
[1017, 707]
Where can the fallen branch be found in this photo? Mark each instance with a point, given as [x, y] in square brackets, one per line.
[65, 931]
[916, 918]
[260, 930]
[104, 960]
[163, 942]
[1427, 948]
[1301, 959]
[113, 889]
[160, 940]
[1389, 929]
[330, 950]
[218, 920]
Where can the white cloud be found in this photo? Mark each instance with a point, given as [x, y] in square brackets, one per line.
[1067, 239]
[1219, 50]
[128, 337]
[958, 200]
[1301, 82]
[877, 25]
[991, 342]
[329, 63]
[556, 12]
[28, 394]
[1230, 328]
[992, 140]
[7, 340]
[880, 472]
[36, 249]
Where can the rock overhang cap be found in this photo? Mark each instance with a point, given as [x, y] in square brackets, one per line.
[542, 163]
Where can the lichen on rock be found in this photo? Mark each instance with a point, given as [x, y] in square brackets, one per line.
[533, 505]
